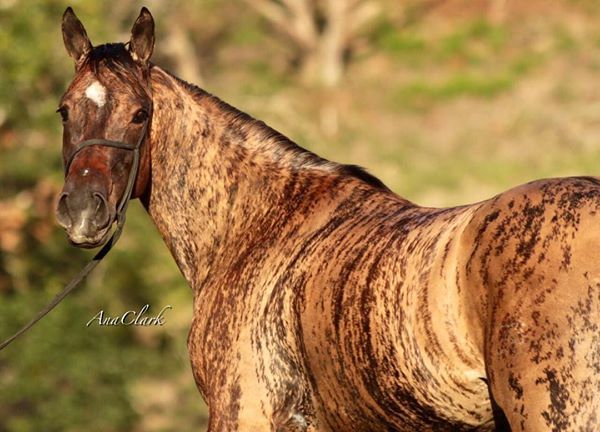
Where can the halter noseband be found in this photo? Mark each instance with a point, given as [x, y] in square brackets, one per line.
[135, 148]
[120, 216]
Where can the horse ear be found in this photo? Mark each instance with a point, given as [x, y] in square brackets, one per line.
[141, 43]
[77, 43]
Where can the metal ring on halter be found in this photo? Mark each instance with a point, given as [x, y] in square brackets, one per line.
[121, 210]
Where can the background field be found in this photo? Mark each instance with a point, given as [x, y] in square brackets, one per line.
[448, 102]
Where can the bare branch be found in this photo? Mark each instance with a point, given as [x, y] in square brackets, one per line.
[332, 45]
[322, 49]
[272, 11]
[304, 24]
[290, 18]
[360, 15]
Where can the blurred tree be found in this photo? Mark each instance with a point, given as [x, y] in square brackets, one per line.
[323, 32]
[189, 42]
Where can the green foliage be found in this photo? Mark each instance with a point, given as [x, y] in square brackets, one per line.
[64, 374]
[466, 42]
[479, 59]
[471, 42]
[405, 43]
[32, 61]
[422, 94]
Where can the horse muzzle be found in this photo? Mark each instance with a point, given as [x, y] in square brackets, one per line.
[86, 217]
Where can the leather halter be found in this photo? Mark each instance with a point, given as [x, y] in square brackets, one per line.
[135, 148]
[120, 217]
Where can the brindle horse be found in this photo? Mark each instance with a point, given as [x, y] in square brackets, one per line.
[322, 300]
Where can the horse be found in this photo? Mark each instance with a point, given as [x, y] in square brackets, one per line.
[323, 301]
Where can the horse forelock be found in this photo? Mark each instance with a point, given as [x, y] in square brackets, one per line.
[112, 63]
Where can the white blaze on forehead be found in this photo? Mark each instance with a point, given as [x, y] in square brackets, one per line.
[96, 93]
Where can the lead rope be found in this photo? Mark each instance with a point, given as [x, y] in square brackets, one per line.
[121, 211]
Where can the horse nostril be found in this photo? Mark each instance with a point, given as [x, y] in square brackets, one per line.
[62, 211]
[102, 215]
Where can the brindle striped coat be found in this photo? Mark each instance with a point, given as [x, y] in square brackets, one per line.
[325, 302]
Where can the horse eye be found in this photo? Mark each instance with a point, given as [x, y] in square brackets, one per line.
[64, 113]
[140, 116]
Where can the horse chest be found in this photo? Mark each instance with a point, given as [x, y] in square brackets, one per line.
[241, 357]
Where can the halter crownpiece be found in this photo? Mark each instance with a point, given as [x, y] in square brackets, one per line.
[120, 216]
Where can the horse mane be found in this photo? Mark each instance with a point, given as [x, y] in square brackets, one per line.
[116, 57]
[301, 157]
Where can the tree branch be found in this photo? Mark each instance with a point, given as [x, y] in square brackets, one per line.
[293, 18]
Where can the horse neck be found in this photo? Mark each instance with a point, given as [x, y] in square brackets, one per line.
[219, 177]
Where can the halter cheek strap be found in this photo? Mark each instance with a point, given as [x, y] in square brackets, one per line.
[121, 210]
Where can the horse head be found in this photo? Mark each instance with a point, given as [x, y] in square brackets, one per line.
[106, 113]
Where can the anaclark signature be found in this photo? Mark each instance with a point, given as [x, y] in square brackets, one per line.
[135, 318]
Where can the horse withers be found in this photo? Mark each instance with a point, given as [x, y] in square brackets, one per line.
[322, 300]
